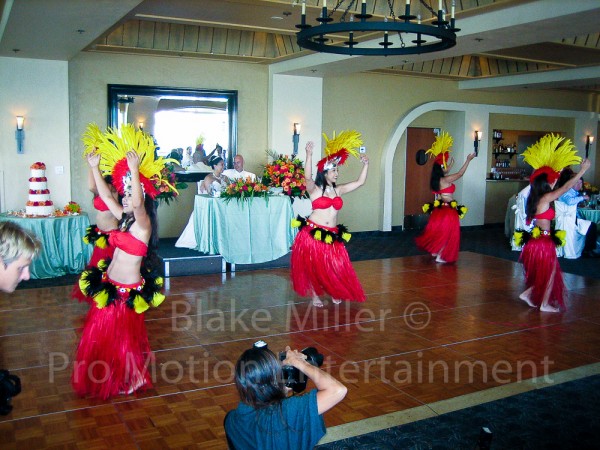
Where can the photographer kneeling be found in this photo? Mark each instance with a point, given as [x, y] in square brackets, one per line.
[266, 418]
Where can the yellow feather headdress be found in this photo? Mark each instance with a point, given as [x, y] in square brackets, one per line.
[113, 146]
[91, 138]
[338, 148]
[440, 149]
[550, 155]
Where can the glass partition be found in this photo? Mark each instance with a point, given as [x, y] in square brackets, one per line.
[178, 117]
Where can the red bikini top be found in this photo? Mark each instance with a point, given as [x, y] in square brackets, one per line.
[548, 215]
[449, 190]
[325, 202]
[128, 243]
[99, 204]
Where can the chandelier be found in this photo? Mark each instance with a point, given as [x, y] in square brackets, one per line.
[423, 38]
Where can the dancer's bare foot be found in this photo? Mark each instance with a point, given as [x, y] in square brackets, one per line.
[336, 301]
[134, 387]
[525, 297]
[316, 301]
[548, 308]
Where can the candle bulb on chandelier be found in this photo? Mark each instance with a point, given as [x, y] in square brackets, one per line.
[452, 9]
[303, 7]
[439, 5]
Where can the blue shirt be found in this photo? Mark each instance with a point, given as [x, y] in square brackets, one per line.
[294, 424]
[571, 197]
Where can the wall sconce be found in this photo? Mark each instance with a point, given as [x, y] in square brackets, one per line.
[296, 137]
[20, 133]
[588, 143]
[478, 135]
[141, 125]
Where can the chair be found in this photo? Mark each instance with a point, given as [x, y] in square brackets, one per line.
[576, 229]
[520, 220]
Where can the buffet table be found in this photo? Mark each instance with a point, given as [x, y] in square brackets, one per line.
[245, 232]
[63, 251]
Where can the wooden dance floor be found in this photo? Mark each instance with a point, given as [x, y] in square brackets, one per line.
[429, 339]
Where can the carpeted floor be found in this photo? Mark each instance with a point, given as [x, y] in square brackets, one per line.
[564, 416]
[377, 245]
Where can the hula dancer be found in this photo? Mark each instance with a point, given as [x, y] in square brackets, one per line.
[114, 352]
[320, 263]
[543, 277]
[441, 237]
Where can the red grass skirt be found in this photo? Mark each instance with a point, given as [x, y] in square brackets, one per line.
[113, 356]
[323, 268]
[542, 271]
[442, 234]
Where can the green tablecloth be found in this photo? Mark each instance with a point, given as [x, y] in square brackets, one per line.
[63, 250]
[247, 232]
[589, 214]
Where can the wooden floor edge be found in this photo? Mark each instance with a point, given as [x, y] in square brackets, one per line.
[353, 429]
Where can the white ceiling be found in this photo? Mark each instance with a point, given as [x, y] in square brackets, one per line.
[513, 30]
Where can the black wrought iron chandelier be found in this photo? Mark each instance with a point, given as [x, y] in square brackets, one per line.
[438, 35]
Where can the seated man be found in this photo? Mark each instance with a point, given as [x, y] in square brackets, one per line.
[238, 170]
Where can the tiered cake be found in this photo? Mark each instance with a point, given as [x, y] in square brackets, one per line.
[39, 203]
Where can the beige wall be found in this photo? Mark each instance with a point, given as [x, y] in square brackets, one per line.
[371, 103]
[36, 90]
[374, 104]
[90, 73]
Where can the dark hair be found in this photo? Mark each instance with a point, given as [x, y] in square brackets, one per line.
[258, 378]
[566, 174]
[212, 162]
[321, 181]
[539, 187]
[437, 172]
[176, 155]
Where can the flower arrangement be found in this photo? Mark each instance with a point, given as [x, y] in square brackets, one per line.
[38, 166]
[72, 208]
[244, 189]
[40, 203]
[164, 184]
[287, 173]
[589, 188]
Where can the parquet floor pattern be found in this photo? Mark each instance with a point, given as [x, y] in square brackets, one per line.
[426, 333]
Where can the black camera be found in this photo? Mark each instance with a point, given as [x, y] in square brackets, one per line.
[10, 385]
[292, 377]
